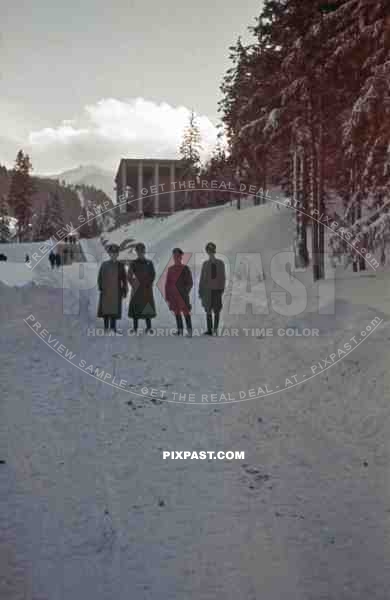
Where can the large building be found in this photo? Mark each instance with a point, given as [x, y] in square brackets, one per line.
[147, 187]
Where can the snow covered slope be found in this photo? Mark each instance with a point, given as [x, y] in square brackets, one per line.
[90, 509]
[89, 175]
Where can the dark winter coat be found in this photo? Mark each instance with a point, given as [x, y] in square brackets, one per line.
[212, 284]
[58, 260]
[177, 289]
[112, 284]
[141, 278]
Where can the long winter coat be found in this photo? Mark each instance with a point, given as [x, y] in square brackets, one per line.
[141, 278]
[112, 284]
[177, 289]
[212, 284]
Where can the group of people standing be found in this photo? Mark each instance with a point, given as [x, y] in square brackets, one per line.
[55, 259]
[113, 287]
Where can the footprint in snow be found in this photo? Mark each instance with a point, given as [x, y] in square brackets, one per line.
[256, 476]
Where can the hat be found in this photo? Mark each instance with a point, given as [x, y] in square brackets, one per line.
[211, 246]
[177, 251]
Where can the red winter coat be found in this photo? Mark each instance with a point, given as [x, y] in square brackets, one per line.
[177, 289]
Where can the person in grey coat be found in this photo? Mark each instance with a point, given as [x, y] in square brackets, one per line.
[141, 278]
[211, 288]
[112, 284]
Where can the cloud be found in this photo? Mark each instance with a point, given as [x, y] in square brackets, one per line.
[64, 134]
[111, 129]
[8, 150]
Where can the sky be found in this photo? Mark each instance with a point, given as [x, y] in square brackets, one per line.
[91, 81]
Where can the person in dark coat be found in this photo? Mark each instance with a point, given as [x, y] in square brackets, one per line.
[211, 287]
[52, 259]
[141, 278]
[112, 284]
[178, 286]
[58, 260]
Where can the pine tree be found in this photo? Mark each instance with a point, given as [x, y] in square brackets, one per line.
[20, 194]
[4, 221]
[219, 168]
[265, 131]
[359, 53]
[314, 85]
[191, 146]
[39, 222]
[94, 222]
[52, 217]
[84, 229]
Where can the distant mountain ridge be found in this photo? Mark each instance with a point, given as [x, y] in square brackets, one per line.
[90, 175]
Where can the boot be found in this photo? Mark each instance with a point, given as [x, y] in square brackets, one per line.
[209, 324]
[148, 326]
[179, 325]
[188, 325]
[216, 323]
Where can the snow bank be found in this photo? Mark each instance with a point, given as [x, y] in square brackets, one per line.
[191, 229]
[15, 274]
[16, 253]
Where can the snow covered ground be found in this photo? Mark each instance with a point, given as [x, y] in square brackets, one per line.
[89, 508]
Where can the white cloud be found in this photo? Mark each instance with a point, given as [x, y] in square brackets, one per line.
[111, 129]
[64, 134]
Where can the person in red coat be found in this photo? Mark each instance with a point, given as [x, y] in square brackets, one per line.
[178, 286]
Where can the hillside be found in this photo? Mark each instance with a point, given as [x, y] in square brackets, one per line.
[91, 176]
[73, 197]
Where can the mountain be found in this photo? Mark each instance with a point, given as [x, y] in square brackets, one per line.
[90, 175]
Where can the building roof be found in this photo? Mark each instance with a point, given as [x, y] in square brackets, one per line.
[130, 161]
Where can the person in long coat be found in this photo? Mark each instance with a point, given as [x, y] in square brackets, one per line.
[211, 288]
[52, 259]
[178, 286]
[112, 284]
[141, 278]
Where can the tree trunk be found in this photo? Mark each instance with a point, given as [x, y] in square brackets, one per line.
[313, 195]
[264, 181]
[321, 203]
[303, 207]
[362, 262]
[295, 189]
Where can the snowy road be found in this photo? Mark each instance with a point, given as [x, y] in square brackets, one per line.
[90, 510]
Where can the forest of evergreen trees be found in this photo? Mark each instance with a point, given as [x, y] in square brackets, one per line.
[306, 105]
[42, 206]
